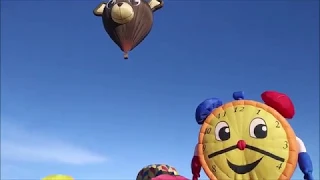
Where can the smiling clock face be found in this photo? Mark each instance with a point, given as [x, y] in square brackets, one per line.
[246, 139]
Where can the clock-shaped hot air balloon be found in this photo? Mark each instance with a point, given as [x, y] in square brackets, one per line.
[127, 22]
[247, 139]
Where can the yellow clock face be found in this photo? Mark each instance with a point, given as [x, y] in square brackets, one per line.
[247, 140]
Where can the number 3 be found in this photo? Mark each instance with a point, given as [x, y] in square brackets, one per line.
[286, 145]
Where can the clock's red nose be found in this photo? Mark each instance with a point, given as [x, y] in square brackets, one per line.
[241, 144]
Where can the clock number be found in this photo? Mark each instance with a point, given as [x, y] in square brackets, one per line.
[213, 168]
[204, 147]
[278, 124]
[279, 166]
[208, 130]
[258, 112]
[219, 115]
[240, 109]
[286, 145]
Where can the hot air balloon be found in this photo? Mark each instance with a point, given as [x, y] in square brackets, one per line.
[154, 170]
[169, 177]
[246, 139]
[127, 22]
[58, 177]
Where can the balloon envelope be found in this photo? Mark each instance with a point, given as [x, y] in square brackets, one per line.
[58, 177]
[169, 177]
[153, 170]
[127, 36]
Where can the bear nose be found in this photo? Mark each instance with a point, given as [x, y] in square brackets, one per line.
[120, 4]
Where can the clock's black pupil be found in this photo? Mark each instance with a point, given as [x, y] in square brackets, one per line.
[224, 133]
[260, 131]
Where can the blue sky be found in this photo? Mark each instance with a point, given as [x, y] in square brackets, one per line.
[70, 104]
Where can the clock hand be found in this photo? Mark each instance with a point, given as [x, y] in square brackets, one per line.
[222, 151]
[265, 153]
[249, 147]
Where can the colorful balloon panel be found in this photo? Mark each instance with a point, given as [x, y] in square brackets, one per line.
[153, 170]
[169, 177]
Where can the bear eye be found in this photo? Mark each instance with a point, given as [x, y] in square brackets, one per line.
[111, 3]
[135, 2]
[258, 128]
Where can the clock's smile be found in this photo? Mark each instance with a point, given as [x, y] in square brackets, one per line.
[243, 169]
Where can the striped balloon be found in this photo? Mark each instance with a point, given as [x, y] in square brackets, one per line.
[153, 170]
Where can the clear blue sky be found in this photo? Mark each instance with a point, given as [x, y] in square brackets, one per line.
[70, 103]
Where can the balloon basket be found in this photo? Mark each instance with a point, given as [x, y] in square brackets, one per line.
[126, 56]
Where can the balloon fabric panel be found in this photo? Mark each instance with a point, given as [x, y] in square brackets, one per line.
[154, 170]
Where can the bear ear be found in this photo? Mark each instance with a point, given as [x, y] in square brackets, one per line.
[280, 102]
[205, 108]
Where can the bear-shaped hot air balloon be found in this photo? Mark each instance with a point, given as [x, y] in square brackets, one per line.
[127, 22]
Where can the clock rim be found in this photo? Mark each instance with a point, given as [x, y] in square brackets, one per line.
[291, 137]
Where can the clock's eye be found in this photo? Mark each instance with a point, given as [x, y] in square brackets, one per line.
[222, 131]
[111, 3]
[258, 128]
